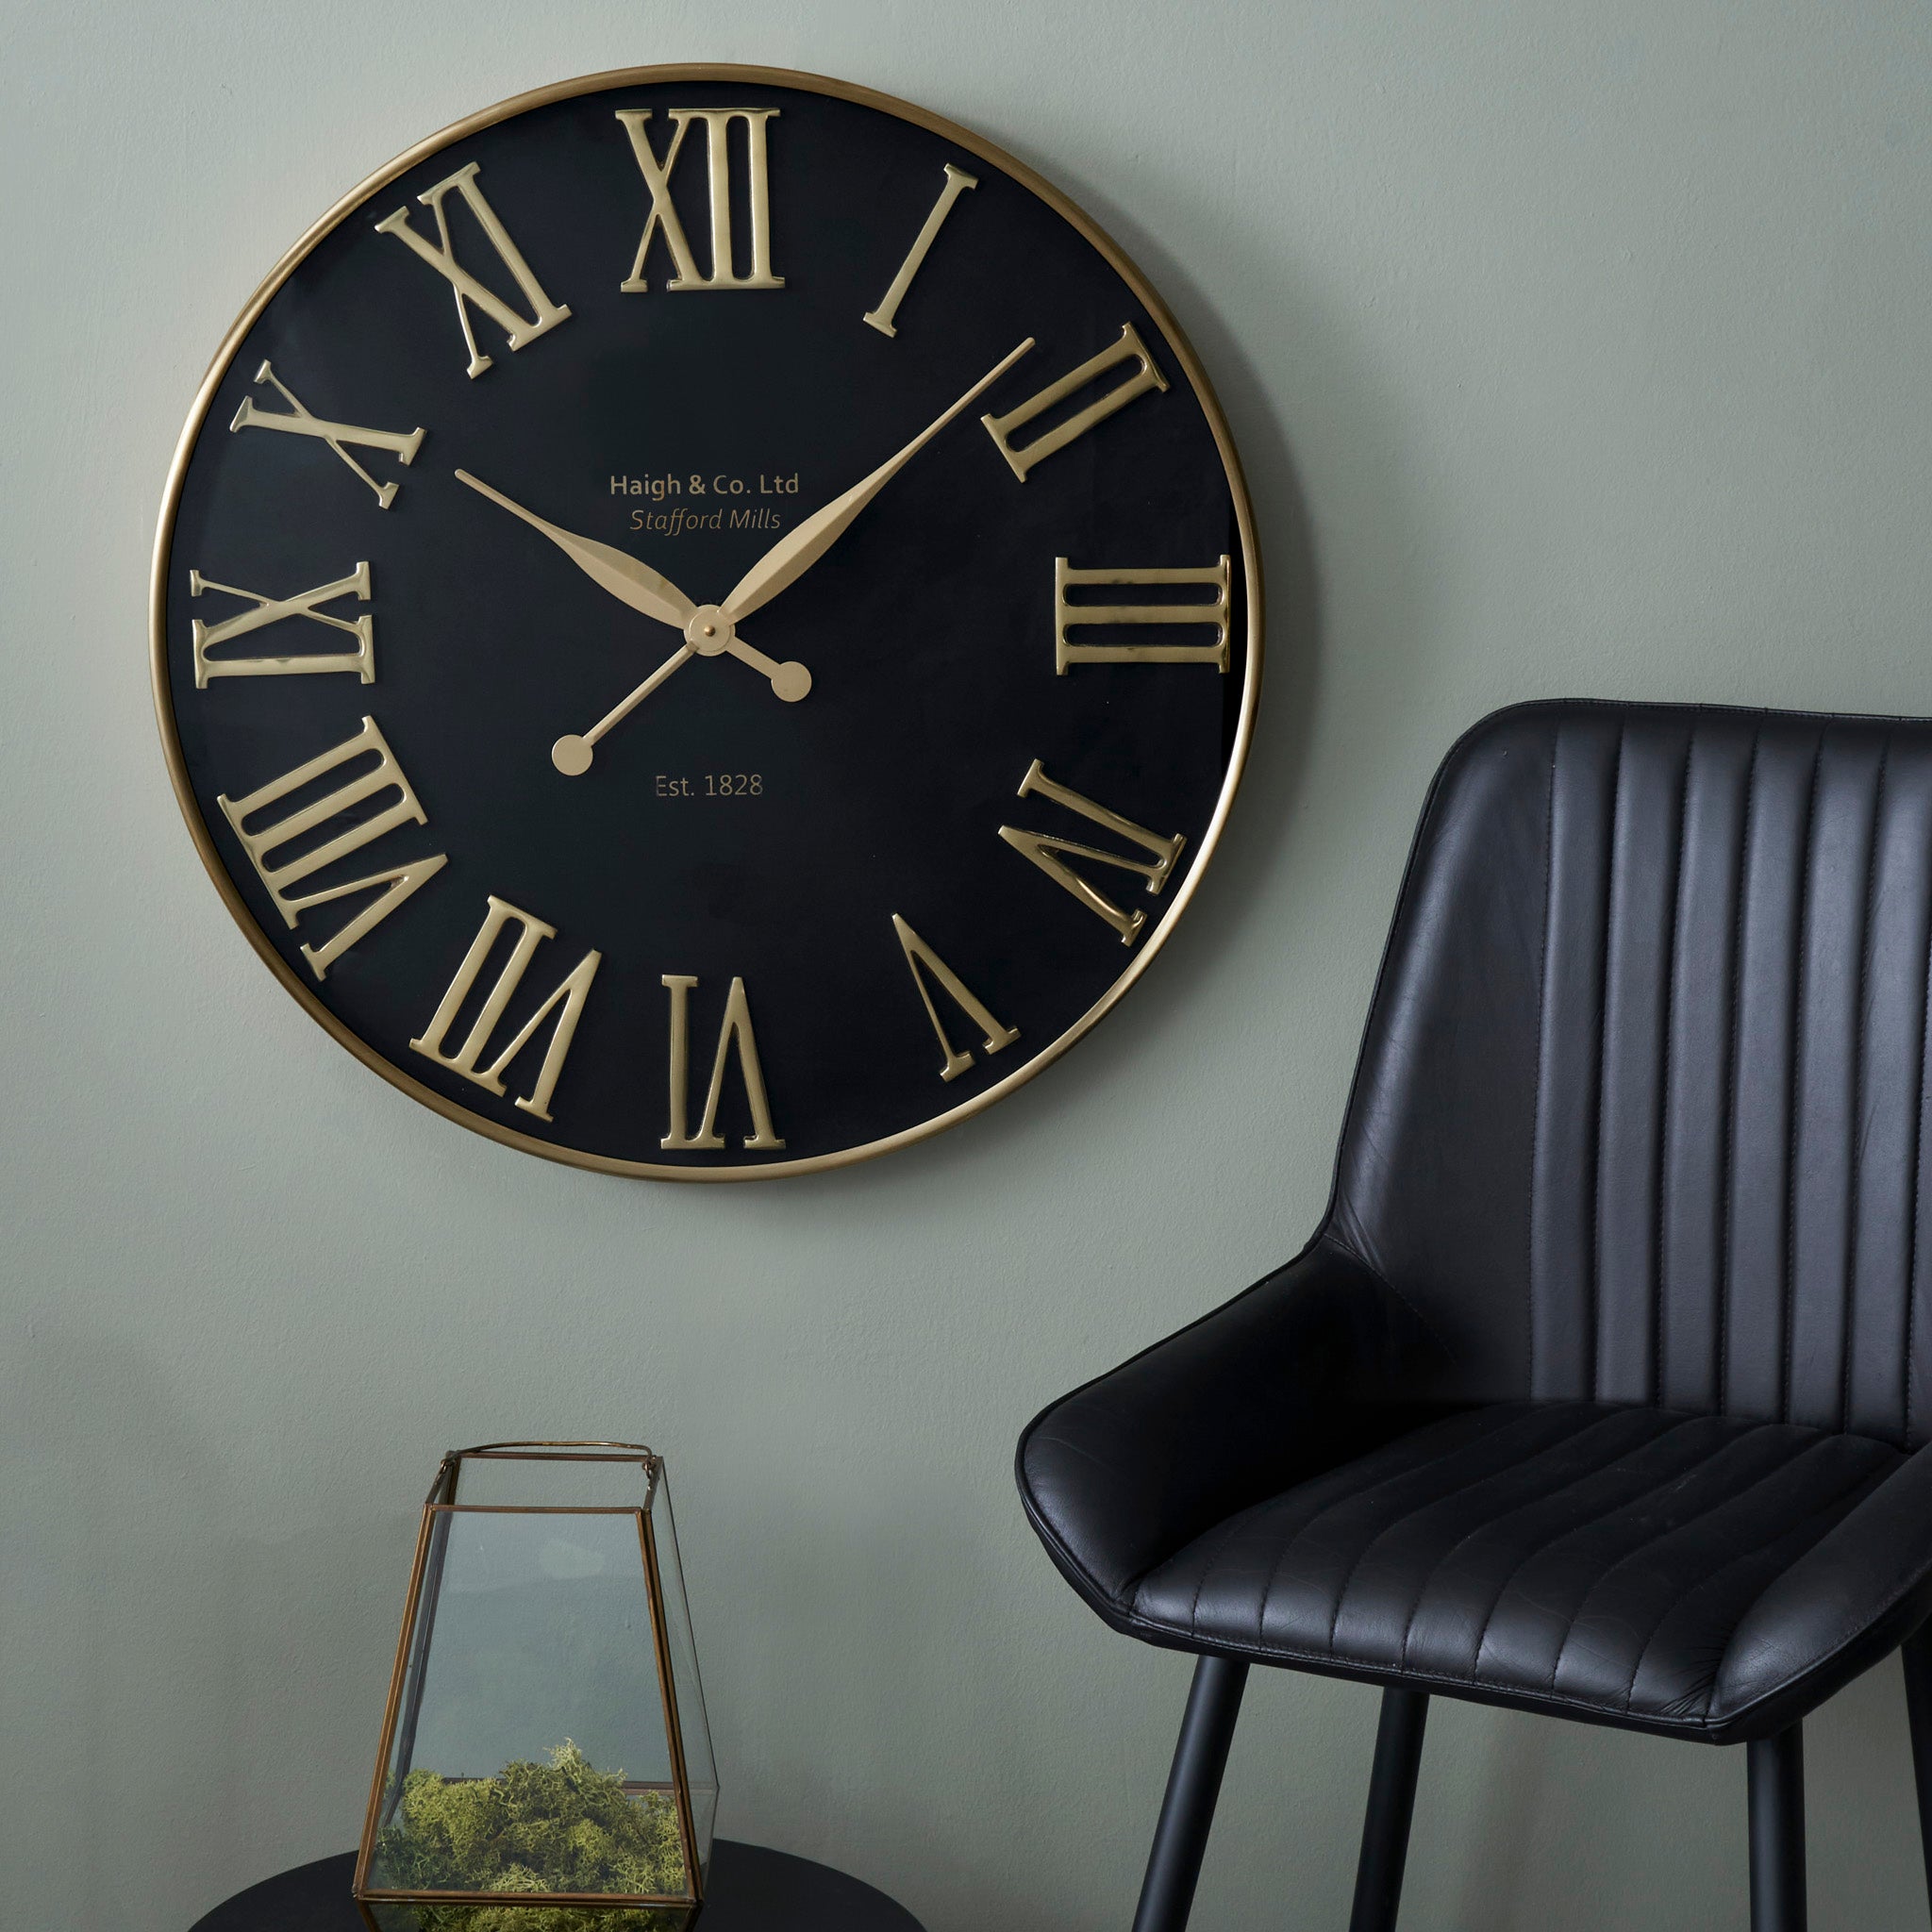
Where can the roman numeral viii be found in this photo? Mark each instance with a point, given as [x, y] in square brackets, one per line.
[518, 330]
[301, 834]
[662, 219]
[1044, 851]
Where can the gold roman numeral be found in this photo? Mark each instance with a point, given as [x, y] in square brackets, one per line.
[1042, 850]
[662, 219]
[210, 637]
[957, 181]
[735, 1032]
[1147, 376]
[398, 883]
[992, 1035]
[518, 330]
[296, 421]
[570, 995]
[1069, 616]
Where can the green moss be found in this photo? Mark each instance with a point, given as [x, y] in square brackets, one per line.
[561, 1826]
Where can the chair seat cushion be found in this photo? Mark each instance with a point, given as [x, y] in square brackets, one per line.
[1634, 1566]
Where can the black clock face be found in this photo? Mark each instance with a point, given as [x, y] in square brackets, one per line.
[705, 622]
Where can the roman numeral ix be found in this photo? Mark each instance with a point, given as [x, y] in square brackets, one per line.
[267, 611]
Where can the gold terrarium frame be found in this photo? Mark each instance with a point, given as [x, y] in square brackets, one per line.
[993, 156]
[425, 1574]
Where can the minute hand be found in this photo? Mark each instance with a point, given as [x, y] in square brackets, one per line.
[626, 579]
[788, 559]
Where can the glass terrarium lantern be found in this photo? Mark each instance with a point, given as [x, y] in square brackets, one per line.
[545, 1765]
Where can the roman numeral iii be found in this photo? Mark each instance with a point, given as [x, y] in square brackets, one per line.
[735, 1032]
[267, 611]
[663, 219]
[566, 1001]
[957, 181]
[1147, 376]
[992, 1035]
[400, 882]
[1044, 851]
[1069, 616]
[296, 421]
[519, 331]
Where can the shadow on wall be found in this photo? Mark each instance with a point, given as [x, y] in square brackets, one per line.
[1291, 608]
[1369, 493]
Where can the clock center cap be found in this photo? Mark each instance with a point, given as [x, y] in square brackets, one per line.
[709, 631]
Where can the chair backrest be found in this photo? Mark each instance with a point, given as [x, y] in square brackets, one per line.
[1641, 1112]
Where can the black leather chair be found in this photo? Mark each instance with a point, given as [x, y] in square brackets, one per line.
[1602, 1388]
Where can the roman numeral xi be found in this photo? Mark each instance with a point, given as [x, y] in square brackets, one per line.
[518, 330]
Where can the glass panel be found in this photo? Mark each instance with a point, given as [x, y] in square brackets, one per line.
[700, 1767]
[530, 1753]
[554, 1481]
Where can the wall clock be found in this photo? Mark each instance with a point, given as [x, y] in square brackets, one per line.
[706, 621]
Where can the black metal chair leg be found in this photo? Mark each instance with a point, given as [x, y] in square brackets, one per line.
[1391, 1804]
[1167, 1893]
[1917, 1657]
[1778, 1832]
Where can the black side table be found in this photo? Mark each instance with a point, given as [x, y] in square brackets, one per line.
[751, 1890]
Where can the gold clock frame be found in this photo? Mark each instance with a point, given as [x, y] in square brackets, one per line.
[641, 77]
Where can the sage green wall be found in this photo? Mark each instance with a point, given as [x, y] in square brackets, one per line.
[1573, 349]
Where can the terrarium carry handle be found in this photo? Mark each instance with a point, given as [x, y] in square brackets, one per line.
[488, 1448]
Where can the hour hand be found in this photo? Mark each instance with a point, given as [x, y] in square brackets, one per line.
[613, 570]
[710, 634]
